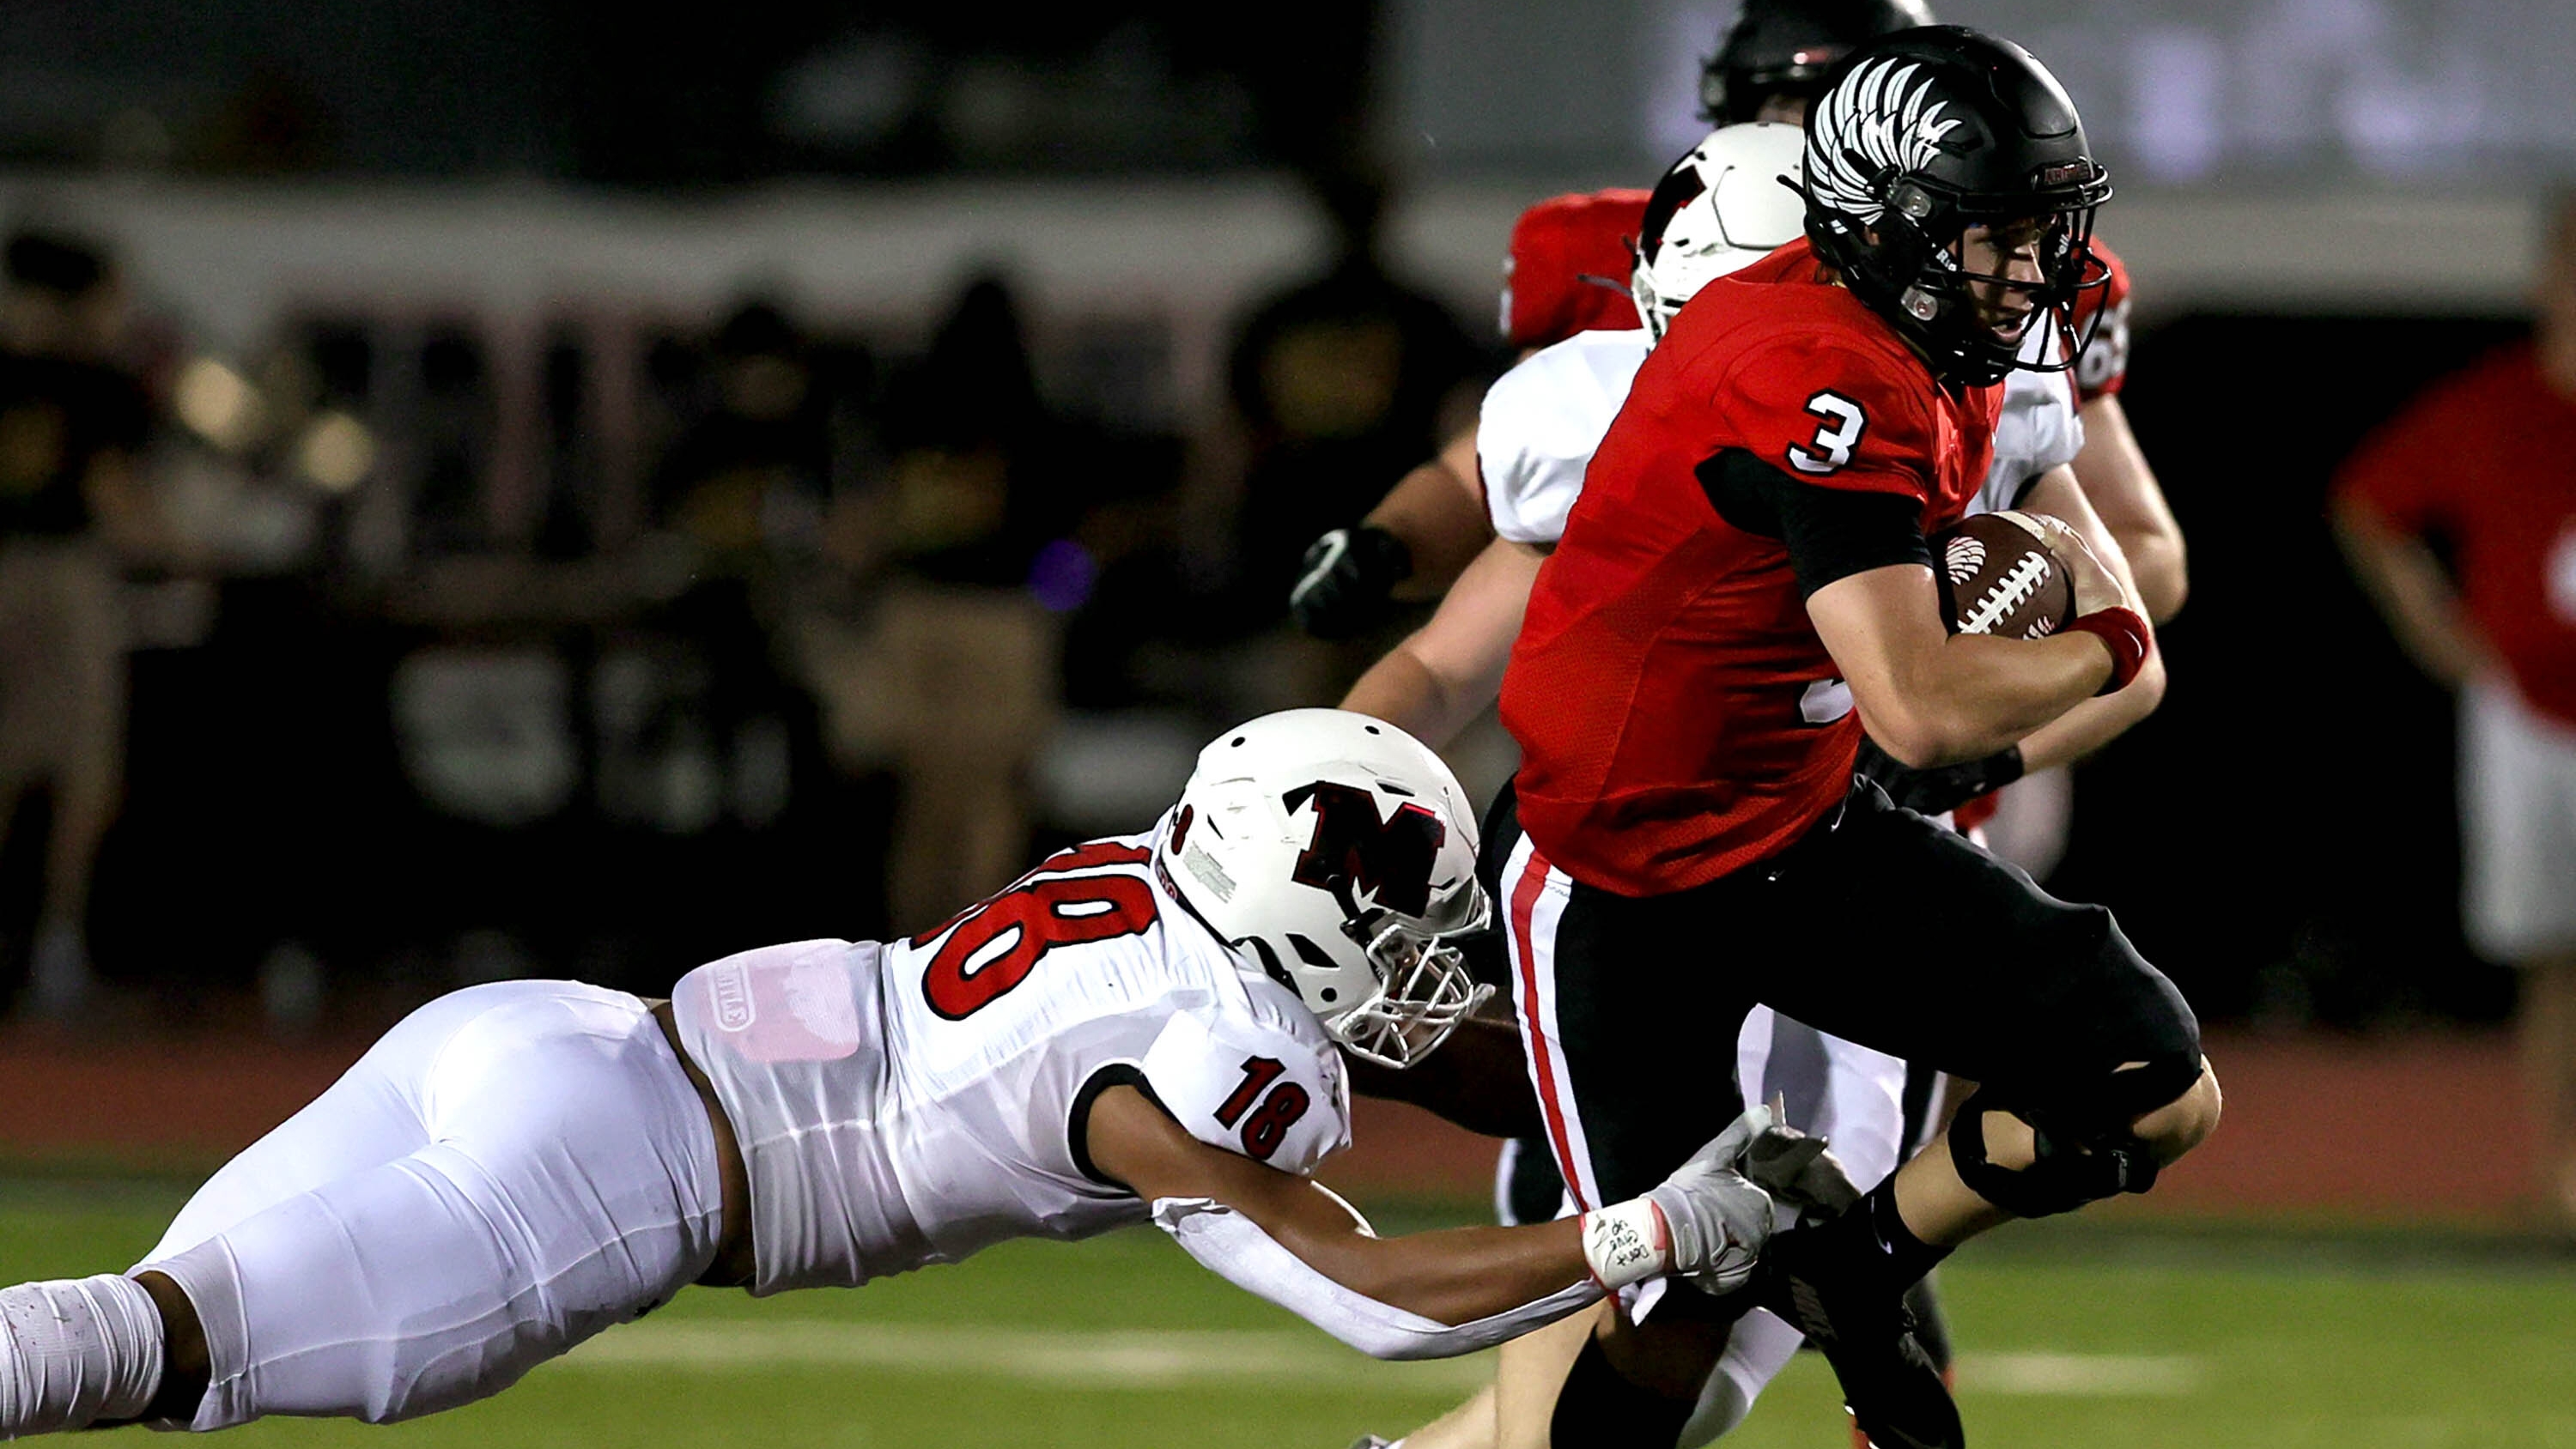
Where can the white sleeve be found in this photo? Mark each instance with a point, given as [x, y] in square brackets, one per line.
[1252, 1089]
[1235, 1248]
[1540, 425]
[2039, 429]
[2059, 429]
[1529, 487]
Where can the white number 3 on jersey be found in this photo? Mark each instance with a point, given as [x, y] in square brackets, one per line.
[1844, 423]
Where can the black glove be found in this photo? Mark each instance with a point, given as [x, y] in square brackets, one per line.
[1929, 792]
[1349, 575]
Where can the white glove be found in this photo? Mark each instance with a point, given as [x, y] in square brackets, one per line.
[1707, 1222]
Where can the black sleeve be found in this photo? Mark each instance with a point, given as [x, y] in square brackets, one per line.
[1832, 533]
[1077, 1127]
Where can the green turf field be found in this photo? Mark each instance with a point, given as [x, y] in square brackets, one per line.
[2098, 1338]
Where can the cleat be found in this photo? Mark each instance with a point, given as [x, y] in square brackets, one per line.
[1896, 1394]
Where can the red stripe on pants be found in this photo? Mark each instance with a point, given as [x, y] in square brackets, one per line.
[1525, 894]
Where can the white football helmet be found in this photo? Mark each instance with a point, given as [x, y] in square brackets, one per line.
[1719, 208]
[1336, 855]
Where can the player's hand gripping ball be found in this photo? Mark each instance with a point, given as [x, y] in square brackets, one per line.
[1999, 576]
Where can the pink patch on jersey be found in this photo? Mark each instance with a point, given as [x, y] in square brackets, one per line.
[798, 1009]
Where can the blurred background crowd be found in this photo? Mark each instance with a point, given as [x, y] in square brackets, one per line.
[546, 489]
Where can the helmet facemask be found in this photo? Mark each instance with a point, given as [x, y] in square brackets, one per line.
[1908, 265]
[1336, 855]
[1424, 987]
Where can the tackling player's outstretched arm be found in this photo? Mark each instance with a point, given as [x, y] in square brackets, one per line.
[1444, 674]
[1436, 1294]
[1456, 1276]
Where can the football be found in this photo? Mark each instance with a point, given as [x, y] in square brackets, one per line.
[1998, 576]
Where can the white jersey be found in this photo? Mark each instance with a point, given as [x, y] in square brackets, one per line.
[910, 1102]
[1543, 420]
[1541, 423]
[2040, 429]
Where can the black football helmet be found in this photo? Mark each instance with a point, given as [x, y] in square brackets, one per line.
[1784, 48]
[1923, 134]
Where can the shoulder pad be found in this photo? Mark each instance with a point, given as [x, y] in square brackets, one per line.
[1844, 416]
[1542, 422]
[1252, 1089]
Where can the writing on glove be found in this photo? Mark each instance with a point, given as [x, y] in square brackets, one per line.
[1707, 1222]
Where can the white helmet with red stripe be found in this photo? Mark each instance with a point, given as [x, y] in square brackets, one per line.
[1337, 855]
[1727, 204]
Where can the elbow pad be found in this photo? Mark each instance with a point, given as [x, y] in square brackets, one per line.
[1235, 1248]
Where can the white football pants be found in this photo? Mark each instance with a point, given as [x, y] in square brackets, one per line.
[512, 1169]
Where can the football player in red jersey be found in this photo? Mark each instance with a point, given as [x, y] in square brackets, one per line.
[1768, 67]
[1741, 588]
[1540, 427]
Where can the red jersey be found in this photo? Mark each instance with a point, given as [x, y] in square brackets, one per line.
[2487, 458]
[1567, 271]
[2103, 367]
[1678, 717]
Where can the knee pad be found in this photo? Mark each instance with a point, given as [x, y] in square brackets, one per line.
[2086, 1149]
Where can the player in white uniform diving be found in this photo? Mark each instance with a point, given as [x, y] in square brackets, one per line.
[1142, 1028]
[1720, 208]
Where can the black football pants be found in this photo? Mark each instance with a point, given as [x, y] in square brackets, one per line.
[1878, 926]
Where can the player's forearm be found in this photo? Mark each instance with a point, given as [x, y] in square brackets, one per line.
[2123, 489]
[1931, 698]
[1979, 694]
[2096, 722]
[1283, 1237]
[2407, 583]
[1243, 1252]
[1457, 1275]
[1402, 690]
[1440, 516]
[1479, 1080]
[2156, 562]
[1444, 674]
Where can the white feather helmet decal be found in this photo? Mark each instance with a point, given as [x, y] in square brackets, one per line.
[1883, 116]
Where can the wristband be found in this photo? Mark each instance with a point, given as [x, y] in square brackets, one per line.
[1626, 1243]
[2125, 635]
